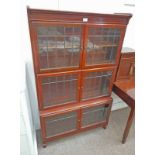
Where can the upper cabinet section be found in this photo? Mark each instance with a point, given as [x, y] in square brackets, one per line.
[63, 41]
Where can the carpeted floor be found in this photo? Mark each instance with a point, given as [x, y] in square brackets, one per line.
[96, 141]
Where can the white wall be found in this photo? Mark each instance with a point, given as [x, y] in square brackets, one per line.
[28, 142]
[99, 6]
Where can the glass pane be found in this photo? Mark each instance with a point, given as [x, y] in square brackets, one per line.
[59, 46]
[59, 90]
[96, 84]
[94, 115]
[102, 45]
[59, 124]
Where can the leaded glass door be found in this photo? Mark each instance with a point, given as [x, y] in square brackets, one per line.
[94, 115]
[60, 124]
[58, 89]
[59, 46]
[97, 83]
[102, 45]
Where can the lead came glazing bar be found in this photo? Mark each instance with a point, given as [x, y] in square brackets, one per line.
[72, 54]
[94, 110]
[47, 51]
[60, 119]
[64, 45]
[112, 49]
[70, 87]
[104, 35]
[106, 75]
[59, 81]
[56, 52]
[64, 85]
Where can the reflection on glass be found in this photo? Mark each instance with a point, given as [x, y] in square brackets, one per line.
[102, 45]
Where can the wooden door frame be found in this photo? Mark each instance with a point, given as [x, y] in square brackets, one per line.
[45, 75]
[109, 103]
[45, 138]
[33, 26]
[84, 73]
[123, 30]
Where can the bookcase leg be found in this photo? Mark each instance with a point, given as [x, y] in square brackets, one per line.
[105, 126]
[128, 125]
[44, 145]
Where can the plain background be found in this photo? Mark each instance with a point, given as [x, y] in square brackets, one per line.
[10, 52]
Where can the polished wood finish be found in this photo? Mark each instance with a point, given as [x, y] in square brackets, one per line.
[49, 18]
[126, 69]
[69, 108]
[36, 15]
[72, 86]
[124, 87]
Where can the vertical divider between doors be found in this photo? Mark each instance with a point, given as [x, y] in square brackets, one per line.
[85, 38]
[79, 119]
[112, 79]
[108, 113]
[79, 86]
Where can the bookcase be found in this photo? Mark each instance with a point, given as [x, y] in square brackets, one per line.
[75, 59]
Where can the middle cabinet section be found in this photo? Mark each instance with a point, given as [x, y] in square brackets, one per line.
[73, 87]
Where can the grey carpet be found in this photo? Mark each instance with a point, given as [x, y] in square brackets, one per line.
[96, 141]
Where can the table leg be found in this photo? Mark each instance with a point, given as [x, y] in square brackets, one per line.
[128, 125]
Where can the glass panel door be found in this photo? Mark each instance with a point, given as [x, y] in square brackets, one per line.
[96, 84]
[102, 45]
[59, 90]
[60, 124]
[59, 46]
[94, 115]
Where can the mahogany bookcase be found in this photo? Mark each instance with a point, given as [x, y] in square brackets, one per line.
[75, 59]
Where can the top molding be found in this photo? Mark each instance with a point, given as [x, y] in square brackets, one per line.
[38, 15]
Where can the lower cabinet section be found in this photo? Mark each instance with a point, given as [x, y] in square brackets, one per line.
[64, 122]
